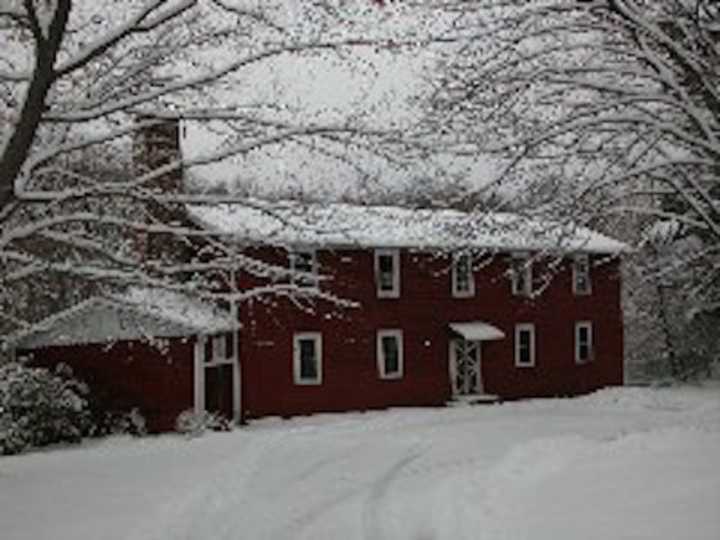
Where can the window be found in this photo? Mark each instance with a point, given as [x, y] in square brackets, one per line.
[307, 358]
[463, 280]
[304, 262]
[583, 342]
[521, 275]
[524, 345]
[581, 275]
[219, 348]
[390, 354]
[387, 273]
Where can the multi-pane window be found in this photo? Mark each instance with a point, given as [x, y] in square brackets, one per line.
[387, 273]
[583, 342]
[390, 354]
[525, 345]
[307, 358]
[521, 276]
[463, 282]
[219, 348]
[581, 275]
[304, 268]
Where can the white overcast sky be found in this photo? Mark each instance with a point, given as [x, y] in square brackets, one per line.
[372, 87]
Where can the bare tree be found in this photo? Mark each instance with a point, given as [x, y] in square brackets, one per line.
[81, 79]
[600, 109]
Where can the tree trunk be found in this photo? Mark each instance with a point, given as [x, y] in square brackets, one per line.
[43, 76]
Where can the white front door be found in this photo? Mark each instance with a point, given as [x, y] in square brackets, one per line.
[465, 372]
[217, 375]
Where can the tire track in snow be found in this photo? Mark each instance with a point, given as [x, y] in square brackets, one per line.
[345, 486]
[372, 510]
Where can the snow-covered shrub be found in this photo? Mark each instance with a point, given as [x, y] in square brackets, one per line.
[12, 435]
[40, 407]
[119, 422]
[193, 423]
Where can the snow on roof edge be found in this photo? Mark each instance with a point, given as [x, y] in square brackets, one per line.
[220, 322]
[342, 225]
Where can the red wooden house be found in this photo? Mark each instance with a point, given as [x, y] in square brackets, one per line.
[447, 306]
[385, 307]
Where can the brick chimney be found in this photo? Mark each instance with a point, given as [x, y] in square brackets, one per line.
[154, 146]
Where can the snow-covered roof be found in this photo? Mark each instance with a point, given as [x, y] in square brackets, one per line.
[346, 225]
[182, 309]
[138, 313]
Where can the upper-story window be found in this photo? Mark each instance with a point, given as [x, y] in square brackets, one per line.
[390, 354]
[525, 345]
[463, 280]
[522, 275]
[303, 264]
[583, 342]
[387, 273]
[307, 358]
[581, 275]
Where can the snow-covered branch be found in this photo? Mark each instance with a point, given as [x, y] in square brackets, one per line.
[597, 109]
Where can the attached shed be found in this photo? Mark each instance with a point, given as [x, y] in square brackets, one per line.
[158, 351]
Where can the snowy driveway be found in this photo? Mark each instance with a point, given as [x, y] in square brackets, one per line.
[624, 463]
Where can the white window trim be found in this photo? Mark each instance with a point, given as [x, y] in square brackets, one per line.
[526, 262]
[292, 261]
[520, 328]
[397, 334]
[577, 260]
[456, 293]
[317, 337]
[591, 346]
[395, 254]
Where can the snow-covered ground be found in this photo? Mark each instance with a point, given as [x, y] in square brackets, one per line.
[620, 464]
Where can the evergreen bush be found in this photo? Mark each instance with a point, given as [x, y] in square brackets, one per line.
[40, 407]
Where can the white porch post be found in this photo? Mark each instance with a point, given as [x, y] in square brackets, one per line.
[237, 371]
[452, 368]
[199, 374]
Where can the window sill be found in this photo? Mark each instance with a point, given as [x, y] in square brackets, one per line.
[308, 383]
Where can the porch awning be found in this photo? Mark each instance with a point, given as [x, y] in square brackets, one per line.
[477, 331]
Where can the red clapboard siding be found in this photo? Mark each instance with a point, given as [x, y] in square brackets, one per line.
[423, 311]
[132, 374]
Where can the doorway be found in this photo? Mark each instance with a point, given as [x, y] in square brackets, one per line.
[465, 367]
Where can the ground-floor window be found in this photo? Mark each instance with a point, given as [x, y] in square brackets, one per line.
[307, 358]
[583, 342]
[390, 354]
[525, 345]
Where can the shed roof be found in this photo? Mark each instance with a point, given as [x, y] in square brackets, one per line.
[289, 223]
[138, 313]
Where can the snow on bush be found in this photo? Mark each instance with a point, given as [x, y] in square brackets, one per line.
[118, 422]
[40, 407]
[194, 423]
